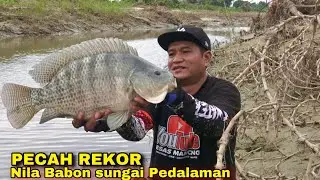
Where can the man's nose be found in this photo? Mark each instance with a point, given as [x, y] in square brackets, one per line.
[177, 58]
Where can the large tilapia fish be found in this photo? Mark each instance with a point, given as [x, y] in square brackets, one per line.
[89, 77]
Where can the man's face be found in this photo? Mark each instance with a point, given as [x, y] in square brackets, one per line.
[186, 60]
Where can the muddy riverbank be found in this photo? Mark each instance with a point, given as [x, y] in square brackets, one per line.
[14, 23]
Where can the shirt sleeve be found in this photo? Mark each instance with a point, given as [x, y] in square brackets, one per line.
[210, 117]
[136, 127]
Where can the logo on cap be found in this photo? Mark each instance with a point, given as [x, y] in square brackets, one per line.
[206, 43]
[181, 29]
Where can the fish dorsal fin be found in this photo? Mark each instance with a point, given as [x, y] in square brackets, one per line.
[50, 66]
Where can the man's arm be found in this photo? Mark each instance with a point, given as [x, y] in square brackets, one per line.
[210, 117]
[136, 127]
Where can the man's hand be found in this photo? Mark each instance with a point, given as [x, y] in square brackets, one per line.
[139, 103]
[93, 125]
[174, 97]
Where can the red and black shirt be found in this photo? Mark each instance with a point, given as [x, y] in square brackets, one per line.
[190, 138]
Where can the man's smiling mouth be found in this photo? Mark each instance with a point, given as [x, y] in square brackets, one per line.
[178, 68]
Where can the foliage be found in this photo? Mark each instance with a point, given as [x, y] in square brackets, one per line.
[118, 7]
[247, 6]
[74, 6]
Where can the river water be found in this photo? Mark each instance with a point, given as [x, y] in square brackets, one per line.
[18, 55]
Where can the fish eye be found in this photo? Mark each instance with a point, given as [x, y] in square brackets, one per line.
[157, 73]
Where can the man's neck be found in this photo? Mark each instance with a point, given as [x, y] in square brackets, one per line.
[193, 88]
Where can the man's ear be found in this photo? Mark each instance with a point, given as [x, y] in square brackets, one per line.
[207, 57]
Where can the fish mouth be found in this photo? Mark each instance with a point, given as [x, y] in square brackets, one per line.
[162, 93]
[172, 85]
[157, 99]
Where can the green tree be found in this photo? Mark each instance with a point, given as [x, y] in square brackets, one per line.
[221, 3]
[238, 3]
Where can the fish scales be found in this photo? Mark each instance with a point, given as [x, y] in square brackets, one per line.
[44, 71]
[106, 73]
[92, 87]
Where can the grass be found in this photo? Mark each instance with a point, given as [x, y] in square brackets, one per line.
[43, 7]
[85, 8]
[193, 6]
[188, 6]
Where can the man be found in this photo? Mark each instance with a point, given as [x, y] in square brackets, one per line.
[189, 122]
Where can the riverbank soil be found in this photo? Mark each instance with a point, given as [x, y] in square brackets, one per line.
[16, 21]
[278, 74]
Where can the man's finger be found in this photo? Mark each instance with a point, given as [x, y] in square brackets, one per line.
[78, 121]
[91, 124]
[143, 103]
[96, 116]
[134, 107]
[107, 112]
[80, 116]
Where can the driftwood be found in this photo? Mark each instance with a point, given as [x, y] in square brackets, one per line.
[224, 141]
[292, 8]
[289, 79]
[280, 10]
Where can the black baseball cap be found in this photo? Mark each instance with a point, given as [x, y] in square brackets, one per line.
[185, 33]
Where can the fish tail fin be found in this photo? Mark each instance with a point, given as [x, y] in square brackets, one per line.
[17, 99]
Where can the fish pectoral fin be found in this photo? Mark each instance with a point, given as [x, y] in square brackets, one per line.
[116, 120]
[49, 114]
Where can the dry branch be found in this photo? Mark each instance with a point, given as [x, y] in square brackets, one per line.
[307, 6]
[224, 141]
[314, 147]
[240, 170]
[288, 74]
[292, 8]
[315, 171]
[245, 71]
[286, 158]
[308, 171]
